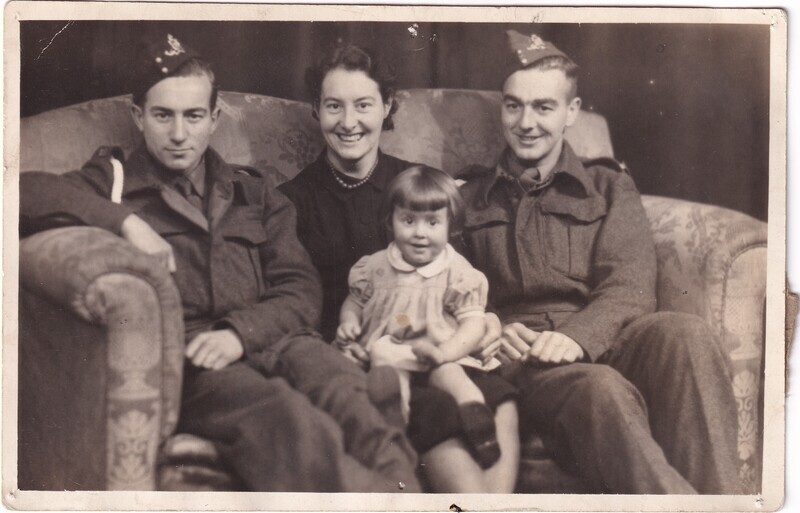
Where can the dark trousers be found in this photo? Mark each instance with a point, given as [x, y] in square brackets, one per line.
[655, 415]
[297, 418]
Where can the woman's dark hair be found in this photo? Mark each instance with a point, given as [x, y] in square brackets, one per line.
[354, 58]
[423, 188]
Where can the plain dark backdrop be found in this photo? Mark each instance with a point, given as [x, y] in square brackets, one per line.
[687, 105]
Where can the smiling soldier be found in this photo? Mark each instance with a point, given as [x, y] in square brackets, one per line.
[636, 401]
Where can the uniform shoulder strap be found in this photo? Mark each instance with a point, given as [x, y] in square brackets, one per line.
[607, 162]
[111, 159]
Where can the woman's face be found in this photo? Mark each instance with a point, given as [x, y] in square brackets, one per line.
[351, 114]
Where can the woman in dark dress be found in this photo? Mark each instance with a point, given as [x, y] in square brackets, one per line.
[338, 200]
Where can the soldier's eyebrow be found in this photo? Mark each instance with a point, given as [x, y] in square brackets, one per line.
[535, 103]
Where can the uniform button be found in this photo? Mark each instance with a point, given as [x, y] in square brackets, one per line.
[158, 60]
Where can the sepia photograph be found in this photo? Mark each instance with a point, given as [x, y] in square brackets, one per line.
[296, 257]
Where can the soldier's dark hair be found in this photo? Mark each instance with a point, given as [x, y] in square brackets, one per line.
[192, 68]
[564, 64]
[354, 58]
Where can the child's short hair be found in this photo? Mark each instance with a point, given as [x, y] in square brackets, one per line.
[422, 188]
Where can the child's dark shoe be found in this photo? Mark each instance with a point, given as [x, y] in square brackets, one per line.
[477, 423]
[383, 388]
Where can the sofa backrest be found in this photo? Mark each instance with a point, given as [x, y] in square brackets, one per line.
[444, 128]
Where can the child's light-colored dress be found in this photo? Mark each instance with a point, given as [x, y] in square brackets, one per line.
[403, 304]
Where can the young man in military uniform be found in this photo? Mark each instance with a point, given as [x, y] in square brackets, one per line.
[635, 401]
[247, 286]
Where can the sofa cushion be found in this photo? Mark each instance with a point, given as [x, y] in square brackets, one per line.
[446, 129]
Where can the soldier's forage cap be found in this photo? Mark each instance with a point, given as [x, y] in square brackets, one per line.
[158, 58]
[526, 50]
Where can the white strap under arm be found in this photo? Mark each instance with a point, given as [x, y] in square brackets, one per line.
[119, 179]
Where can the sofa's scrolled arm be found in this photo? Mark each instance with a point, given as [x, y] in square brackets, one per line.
[106, 281]
[709, 259]
[712, 261]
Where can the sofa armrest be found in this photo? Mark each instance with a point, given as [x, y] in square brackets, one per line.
[712, 262]
[101, 360]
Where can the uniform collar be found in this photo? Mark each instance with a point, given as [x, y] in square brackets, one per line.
[439, 264]
[143, 171]
[568, 167]
[197, 177]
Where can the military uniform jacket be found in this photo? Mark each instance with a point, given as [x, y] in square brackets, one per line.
[240, 266]
[577, 255]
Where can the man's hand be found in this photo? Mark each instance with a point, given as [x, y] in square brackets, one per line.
[215, 349]
[141, 235]
[516, 341]
[491, 342]
[554, 347]
[356, 353]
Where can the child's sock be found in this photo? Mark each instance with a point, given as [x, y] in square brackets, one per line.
[477, 423]
[383, 387]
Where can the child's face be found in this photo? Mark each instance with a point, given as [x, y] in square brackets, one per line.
[536, 110]
[420, 236]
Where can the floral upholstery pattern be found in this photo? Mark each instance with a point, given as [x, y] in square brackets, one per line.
[712, 261]
[103, 280]
[709, 261]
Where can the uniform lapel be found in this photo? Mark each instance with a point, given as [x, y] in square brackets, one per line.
[181, 206]
[141, 173]
[220, 195]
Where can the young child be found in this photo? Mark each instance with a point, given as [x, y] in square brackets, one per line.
[418, 306]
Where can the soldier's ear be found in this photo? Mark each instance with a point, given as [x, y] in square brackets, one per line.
[137, 114]
[215, 118]
[573, 109]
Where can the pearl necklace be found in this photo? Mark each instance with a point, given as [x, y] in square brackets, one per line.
[346, 185]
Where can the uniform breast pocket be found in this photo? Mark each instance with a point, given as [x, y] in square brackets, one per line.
[489, 233]
[244, 234]
[568, 244]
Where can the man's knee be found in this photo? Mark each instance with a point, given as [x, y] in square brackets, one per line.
[676, 335]
[605, 394]
[304, 357]
[586, 393]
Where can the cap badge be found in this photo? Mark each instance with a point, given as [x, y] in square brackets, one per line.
[176, 46]
[537, 43]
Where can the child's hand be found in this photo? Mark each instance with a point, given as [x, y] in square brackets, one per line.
[348, 332]
[428, 353]
[492, 340]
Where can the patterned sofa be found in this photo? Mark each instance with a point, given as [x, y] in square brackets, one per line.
[101, 333]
